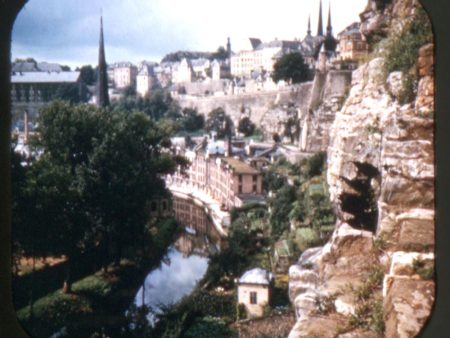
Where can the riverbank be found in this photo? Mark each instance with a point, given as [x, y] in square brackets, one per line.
[98, 301]
[220, 218]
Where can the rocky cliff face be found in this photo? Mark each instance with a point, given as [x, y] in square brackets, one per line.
[375, 276]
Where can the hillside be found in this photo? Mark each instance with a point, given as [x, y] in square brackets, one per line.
[375, 277]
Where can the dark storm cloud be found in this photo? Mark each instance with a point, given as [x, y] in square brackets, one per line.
[70, 28]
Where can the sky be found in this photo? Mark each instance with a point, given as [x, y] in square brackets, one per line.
[67, 31]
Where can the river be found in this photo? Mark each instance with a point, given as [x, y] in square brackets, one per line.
[186, 261]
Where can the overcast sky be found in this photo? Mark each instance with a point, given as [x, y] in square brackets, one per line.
[67, 31]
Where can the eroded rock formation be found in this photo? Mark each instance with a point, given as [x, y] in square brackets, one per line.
[375, 277]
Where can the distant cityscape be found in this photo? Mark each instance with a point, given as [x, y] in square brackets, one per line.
[200, 74]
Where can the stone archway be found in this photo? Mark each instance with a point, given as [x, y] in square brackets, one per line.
[9, 325]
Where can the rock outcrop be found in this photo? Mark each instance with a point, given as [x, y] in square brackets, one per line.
[375, 277]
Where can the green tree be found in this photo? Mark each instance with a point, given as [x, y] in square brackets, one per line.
[219, 122]
[192, 120]
[157, 105]
[67, 136]
[88, 75]
[220, 54]
[125, 172]
[246, 126]
[129, 91]
[290, 67]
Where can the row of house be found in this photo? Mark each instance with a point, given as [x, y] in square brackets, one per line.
[254, 63]
[227, 179]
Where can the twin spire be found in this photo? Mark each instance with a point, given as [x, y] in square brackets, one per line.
[320, 23]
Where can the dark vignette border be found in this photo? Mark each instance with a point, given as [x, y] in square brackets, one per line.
[439, 322]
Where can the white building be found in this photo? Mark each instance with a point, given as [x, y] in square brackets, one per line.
[145, 80]
[254, 291]
[262, 57]
[124, 74]
[182, 72]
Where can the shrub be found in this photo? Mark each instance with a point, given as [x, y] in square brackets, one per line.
[307, 238]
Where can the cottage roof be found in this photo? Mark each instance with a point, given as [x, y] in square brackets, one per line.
[240, 167]
[256, 276]
[45, 77]
[354, 28]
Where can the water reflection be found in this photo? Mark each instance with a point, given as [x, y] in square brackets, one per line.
[185, 263]
[176, 277]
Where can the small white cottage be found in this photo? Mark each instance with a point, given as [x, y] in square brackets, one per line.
[254, 291]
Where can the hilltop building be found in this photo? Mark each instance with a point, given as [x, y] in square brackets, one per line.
[263, 55]
[124, 74]
[145, 79]
[352, 44]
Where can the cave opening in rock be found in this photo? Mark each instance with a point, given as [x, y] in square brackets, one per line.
[360, 199]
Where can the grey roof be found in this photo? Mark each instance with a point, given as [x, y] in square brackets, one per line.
[49, 67]
[45, 77]
[285, 44]
[146, 70]
[256, 276]
[121, 64]
[255, 42]
[310, 45]
[351, 29]
[24, 67]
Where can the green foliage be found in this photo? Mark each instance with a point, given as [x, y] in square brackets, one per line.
[220, 54]
[219, 122]
[246, 126]
[191, 120]
[307, 238]
[402, 50]
[290, 67]
[372, 283]
[234, 259]
[207, 327]
[281, 207]
[158, 105]
[369, 316]
[129, 91]
[369, 310]
[91, 161]
[424, 271]
[241, 311]
[88, 75]
[315, 165]
[198, 312]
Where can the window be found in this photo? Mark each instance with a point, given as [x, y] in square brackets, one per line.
[254, 188]
[240, 189]
[240, 178]
[253, 298]
[255, 178]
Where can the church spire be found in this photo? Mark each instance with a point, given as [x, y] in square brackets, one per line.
[320, 25]
[329, 28]
[102, 94]
[309, 25]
